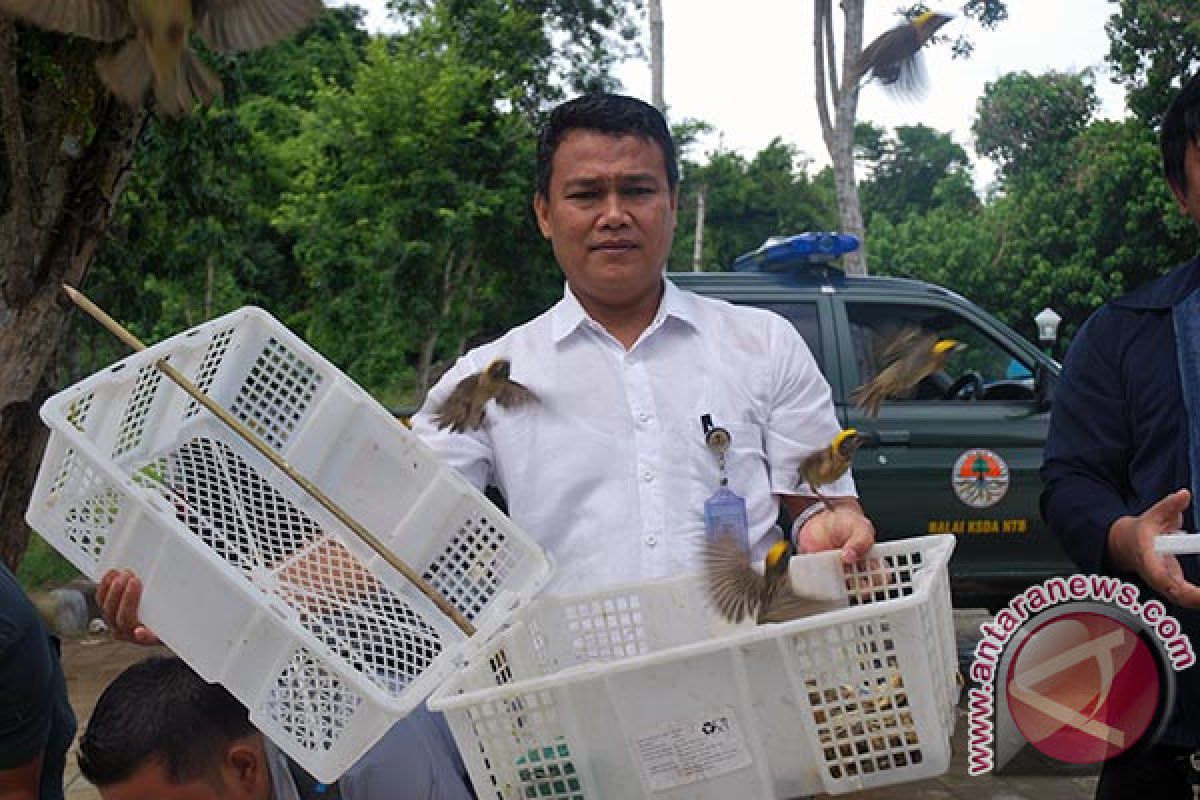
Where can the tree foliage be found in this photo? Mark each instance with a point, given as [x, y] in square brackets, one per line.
[1027, 123]
[1154, 45]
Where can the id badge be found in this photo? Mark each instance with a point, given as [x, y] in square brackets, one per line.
[725, 515]
[725, 510]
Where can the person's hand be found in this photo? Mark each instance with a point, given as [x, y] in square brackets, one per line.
[118, 595]
[843, 528]
[1131, 546]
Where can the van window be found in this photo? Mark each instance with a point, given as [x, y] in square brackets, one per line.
[1003, 374]
[804, 317]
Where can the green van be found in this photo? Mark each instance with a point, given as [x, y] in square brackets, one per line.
[960, 456]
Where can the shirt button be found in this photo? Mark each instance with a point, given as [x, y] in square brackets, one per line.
[651, 540]
[643, 417]
[647, 475]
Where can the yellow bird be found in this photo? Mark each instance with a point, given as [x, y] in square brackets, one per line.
[463, 409]
[154, 36]
[909, 357]
[737, 590]
[829, 463]
[894, 58]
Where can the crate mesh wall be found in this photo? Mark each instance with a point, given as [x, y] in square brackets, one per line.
[474, 564]
[277, 391]
[133, 423]
[214, 354]
[250, 525]
[310, 703]
[853, 677]
[524, 735]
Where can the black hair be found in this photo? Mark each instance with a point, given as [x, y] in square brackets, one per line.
[160, 709]
[1180, 125]
[614, 114]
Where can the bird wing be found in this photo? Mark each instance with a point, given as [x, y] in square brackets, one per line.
[903, 341]
[788, 604]
[513, 394]
[734, 586]
[103, 20]
[232, 26]
[457, 409]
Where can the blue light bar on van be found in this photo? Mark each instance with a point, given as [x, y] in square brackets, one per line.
[804, 248]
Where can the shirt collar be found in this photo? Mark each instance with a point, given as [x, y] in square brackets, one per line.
[569, 315]
[1164, 292]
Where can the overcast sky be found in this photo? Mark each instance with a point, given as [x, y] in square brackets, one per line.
[746, 67]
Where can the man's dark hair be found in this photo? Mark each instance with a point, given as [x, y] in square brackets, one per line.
[1181, 125]
[614, 114]
[160, 709]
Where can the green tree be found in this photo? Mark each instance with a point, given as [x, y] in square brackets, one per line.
[918, 170]
[1153, 46]
[748, 201]
[1026, 123]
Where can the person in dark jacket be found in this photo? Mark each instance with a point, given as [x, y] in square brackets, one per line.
[1122, 460]
[36, 721]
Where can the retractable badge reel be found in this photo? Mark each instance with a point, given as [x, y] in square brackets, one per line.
[725, 510]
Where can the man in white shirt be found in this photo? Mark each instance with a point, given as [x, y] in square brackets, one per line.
[610, 470]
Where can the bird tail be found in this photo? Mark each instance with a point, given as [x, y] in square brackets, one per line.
[126, 72]
[191, 82]
[868, 397]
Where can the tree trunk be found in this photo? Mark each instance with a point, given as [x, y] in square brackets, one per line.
[69, 147]
[837, 109]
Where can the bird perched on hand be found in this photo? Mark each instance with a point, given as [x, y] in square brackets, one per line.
[909, 356]
[737, 590]
[463, 409]
[829, 463]
[894, 58]
[155, 34]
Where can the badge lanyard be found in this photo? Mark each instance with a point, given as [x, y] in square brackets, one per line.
[725, 510]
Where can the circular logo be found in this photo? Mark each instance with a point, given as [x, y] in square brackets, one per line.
[980, 478]
[1083, 687]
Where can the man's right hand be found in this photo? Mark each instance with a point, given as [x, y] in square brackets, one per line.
[1131, 547]
[118, 595]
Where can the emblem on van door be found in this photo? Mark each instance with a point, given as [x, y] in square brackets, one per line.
[980, 478]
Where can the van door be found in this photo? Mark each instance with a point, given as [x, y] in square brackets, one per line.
[961, 454]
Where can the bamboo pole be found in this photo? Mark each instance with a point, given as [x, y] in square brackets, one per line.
[116, 329]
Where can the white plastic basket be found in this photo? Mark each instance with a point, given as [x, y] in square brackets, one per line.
[624, 694]
[247, 578]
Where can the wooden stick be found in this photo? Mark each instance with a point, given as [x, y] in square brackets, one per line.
[116, 329]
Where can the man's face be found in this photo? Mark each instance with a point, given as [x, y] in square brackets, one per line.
[1189, 201]
[245, 779]
[610, 217]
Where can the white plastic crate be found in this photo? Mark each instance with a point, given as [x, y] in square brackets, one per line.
[246, 577]
[626, 693]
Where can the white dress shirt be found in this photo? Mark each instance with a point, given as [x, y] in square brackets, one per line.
[610, 471]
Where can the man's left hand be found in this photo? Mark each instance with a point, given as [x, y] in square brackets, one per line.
[845, 528]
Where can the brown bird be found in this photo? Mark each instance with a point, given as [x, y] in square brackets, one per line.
[909, 356]
[737, 590]
[155, 35]
[829, 463]
[894, 58]
[463, 409]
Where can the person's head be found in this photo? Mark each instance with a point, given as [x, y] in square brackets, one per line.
[160, 732]
[606, 198]
[1180, 141]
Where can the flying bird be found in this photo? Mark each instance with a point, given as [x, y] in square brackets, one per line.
[737, 590]
[463, 409]
[153, 37]
[829, 463]
[894, 58]
[909, 356]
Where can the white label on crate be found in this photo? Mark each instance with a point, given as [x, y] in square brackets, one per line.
[699, 747]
